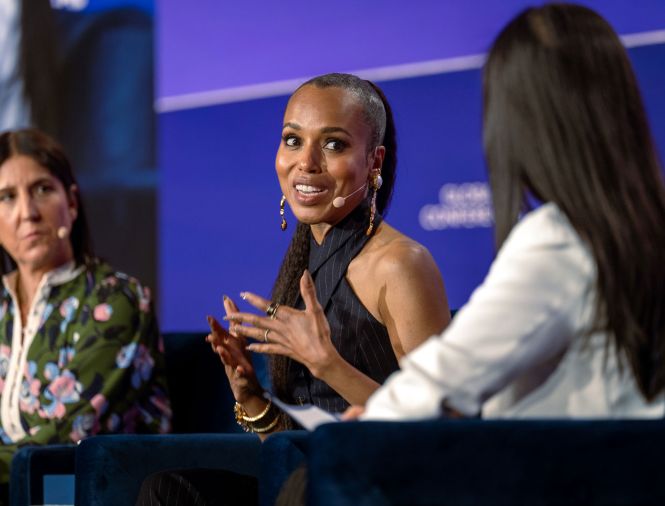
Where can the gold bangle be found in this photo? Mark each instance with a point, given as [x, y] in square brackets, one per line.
[268, 427]
[258, 417]
[248, 422]
[239, 413]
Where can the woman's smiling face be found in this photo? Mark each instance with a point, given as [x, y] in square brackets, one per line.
[324, 154]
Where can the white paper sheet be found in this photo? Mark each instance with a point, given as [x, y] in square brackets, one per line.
[307, 415]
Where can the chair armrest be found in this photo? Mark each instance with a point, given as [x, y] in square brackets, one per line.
[30, 464]
[487, 462]
[281, 454]
[110, 469]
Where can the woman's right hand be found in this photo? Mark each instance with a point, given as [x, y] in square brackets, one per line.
[236, 359]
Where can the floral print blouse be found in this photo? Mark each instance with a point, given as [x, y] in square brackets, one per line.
[89, 360]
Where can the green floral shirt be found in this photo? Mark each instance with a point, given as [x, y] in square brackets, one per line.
[94, 365]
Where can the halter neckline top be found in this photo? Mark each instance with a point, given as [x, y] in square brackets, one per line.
[359, 338]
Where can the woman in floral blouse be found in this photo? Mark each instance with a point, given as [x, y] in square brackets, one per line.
[80, 352]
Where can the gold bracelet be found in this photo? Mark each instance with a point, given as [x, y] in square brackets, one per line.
[268, 427]
[248, 422]
[258, 417]
[240, 414]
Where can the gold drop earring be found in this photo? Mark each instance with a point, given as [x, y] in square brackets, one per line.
[376, 183]
[281, 212]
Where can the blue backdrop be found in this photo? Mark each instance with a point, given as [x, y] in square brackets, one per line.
[218, 204]
[219, 222]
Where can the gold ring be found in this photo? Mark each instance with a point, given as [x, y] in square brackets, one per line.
[271, 310]
[265, 335]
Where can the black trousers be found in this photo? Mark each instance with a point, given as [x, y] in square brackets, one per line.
[198, 487]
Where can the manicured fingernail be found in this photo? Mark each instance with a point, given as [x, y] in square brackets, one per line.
[243, 295]
[225, 298]
[250, 347]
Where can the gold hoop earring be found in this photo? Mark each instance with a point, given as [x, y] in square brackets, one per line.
[281, 212]
[377, 181]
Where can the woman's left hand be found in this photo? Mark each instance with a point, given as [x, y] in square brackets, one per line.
[303, 336]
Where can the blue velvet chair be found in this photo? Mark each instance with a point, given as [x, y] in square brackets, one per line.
[281, 454]
[32, 465]
[110, 470]
[201, 403]
[474, 462]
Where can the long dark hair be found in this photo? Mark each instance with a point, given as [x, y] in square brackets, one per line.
[48, 153]
[379, 118]
[564, 122]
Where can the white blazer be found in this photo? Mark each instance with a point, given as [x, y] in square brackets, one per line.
[520, 347]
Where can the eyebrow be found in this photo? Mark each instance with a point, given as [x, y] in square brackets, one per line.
[295, 126]
[325, 130]
[32, 184]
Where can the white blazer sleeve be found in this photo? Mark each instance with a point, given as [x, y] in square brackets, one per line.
[525, 313]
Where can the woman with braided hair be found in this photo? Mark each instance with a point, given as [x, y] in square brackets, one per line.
[380, 290]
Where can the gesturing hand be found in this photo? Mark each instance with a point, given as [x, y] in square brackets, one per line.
[303, 336]
[237, 361]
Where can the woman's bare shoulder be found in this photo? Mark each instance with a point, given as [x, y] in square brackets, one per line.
[412, 300]
[391, 252]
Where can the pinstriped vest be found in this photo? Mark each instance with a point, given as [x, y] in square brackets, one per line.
[360, 339]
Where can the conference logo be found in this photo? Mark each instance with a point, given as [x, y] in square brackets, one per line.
[464, 205]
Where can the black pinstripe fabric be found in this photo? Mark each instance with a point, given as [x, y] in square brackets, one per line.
[358, 336]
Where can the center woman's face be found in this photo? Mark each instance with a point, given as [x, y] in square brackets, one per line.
[323, 154]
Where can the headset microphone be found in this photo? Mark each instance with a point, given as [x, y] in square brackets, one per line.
[340, 201]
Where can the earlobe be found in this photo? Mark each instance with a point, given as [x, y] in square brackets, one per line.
[379, 155]
[374, 175]
[73, 201]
